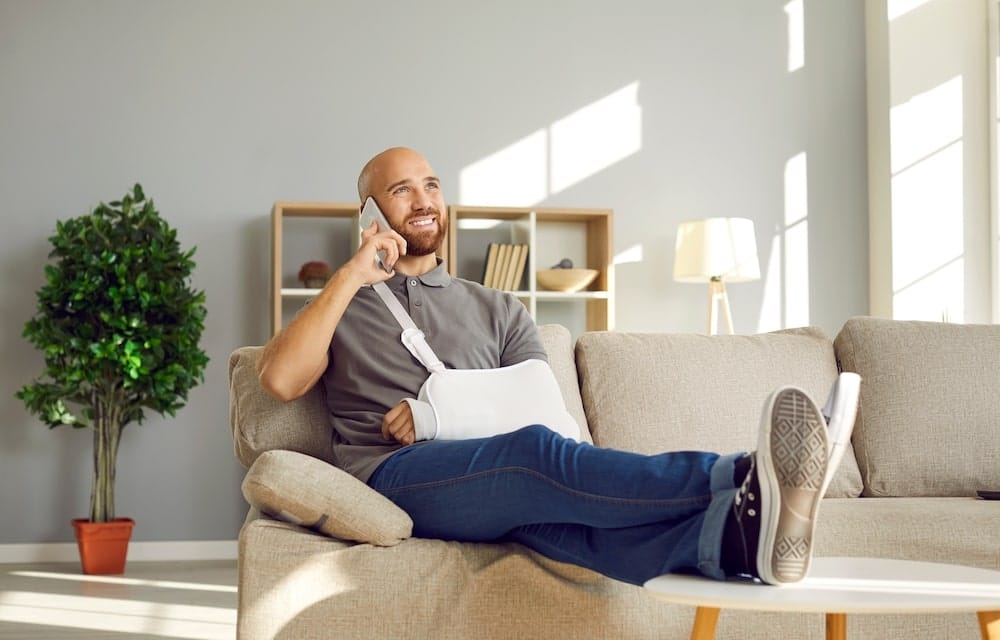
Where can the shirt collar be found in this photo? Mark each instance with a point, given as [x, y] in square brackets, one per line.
[436, 277]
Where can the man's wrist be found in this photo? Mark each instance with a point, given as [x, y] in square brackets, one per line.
[346, 277]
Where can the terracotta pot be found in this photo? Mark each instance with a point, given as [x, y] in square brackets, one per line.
[103, 545]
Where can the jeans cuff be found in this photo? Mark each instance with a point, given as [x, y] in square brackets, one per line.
[723, 493]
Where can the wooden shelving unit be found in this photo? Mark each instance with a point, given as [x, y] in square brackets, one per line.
[551, 233]
[280, 212]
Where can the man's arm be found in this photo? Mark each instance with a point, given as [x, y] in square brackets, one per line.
[295, 359]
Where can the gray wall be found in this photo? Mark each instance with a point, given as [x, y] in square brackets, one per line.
[221, 108]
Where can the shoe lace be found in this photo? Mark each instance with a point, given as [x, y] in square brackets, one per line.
[743, 495]
[743, 510]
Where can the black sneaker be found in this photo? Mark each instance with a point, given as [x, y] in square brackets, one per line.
[769, 532]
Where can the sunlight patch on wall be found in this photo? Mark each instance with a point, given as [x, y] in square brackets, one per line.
[565, 153]
[912, 302]
[797, 275]
[926, 123]
[770, 318]
[796, 242]
[632, 254]
[795, 13]
[786, 279]
[897, 8]
[928, 213]
[513, 176]
[927, 236]
[595, 137]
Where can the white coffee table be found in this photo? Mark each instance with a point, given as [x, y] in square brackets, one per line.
[838, 586]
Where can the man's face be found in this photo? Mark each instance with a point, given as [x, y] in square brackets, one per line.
[409, 194]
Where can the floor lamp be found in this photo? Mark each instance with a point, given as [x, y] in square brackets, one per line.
[717, 251]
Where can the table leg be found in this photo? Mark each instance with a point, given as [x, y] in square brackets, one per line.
[705, 619]
[836, 626]
[989, 625]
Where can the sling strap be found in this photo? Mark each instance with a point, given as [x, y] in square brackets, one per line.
[412, 337]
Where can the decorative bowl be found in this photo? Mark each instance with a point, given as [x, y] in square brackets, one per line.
[567, 280]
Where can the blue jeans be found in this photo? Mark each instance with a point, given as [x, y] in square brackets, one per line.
[628, 516]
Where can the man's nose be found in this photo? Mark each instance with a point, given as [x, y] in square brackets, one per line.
[421, 200]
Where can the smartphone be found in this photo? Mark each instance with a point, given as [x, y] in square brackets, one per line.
[371, 213]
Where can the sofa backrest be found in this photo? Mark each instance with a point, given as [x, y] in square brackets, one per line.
[664, 392]
[260, 423]
[929, 419]
[558, 345]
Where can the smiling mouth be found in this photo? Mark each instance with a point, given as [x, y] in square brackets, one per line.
[423, 222]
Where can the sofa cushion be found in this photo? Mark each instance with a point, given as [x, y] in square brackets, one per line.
[930, 405]
[667, 392]
[306, 491]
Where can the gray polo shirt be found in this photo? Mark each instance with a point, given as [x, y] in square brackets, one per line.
[468, 326]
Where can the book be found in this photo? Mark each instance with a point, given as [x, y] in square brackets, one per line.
[489, 267]
[508, 274]
[522, 260]
[503, 261]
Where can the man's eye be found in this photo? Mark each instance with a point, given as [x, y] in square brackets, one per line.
[433, 186]
[401, 190]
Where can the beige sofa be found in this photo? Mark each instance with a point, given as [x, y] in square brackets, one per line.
[927, 437]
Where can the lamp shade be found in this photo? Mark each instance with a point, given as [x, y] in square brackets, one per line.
[716, 249]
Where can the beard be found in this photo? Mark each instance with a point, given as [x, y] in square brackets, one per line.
[424, 242]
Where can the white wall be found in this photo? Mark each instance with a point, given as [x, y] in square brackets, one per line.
[221, 108]
[929, 169]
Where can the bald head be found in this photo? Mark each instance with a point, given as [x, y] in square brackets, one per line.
[405, 188]
[379, 171]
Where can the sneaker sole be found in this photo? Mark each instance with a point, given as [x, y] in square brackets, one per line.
[842, 416]
[792, 458]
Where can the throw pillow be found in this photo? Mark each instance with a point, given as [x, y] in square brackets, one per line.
[303, 490]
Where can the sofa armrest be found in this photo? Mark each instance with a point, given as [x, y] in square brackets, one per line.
[306, 491]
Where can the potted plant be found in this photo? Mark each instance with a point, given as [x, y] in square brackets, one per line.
[118, 324]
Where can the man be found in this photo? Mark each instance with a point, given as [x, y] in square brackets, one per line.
[628, 516]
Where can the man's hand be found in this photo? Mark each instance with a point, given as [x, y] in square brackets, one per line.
[373, 240]
[397, 424]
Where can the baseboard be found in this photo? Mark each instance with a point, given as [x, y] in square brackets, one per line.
[137, 551]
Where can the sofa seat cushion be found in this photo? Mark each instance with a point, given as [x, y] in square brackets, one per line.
[929, 418]
[651, 393]
[296, 584]
[307, 491]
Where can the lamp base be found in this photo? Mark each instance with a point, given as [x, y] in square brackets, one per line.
[717, 296]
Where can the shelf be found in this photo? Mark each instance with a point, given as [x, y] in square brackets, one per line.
[577, 295]
[299, 292]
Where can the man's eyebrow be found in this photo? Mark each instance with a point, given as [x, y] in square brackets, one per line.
[399, 183]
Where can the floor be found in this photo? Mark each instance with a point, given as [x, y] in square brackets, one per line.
[152, 600]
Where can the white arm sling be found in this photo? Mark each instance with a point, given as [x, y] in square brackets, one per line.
[457, 404]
